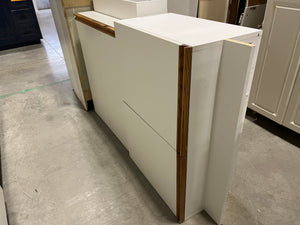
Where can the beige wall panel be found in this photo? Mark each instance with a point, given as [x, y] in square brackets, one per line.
[213, 10]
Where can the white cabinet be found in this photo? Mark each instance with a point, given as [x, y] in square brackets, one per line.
[292, 116]
[174, 90]
[130, 8]
[278, 60]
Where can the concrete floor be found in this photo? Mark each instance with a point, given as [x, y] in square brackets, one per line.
[63, 166]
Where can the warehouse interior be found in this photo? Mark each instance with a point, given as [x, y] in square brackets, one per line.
[62, 164]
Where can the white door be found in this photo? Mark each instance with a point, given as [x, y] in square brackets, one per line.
[292, 117]
[275, 71]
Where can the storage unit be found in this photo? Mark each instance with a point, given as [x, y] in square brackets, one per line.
[18, 24]
[174, 90]
[275, 92]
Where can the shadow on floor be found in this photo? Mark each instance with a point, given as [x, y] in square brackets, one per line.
[274, 128]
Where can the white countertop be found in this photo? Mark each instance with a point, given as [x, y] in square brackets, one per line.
[179, 28]
[187, 30]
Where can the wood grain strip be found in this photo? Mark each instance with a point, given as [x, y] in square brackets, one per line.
[95, 24]
[184, 81]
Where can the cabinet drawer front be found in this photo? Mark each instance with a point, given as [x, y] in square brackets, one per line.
[153, 155]
[151, 68]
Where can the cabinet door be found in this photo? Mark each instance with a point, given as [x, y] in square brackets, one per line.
[275, 70]
[292, 117]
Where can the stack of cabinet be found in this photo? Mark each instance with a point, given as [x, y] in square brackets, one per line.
[18, 23]
[174, 90]
[276, 86]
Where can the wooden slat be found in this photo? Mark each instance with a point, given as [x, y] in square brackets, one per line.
[76, 3]
[184, 80]
[95, 24]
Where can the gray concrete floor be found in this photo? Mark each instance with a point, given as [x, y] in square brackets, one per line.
[63, 166]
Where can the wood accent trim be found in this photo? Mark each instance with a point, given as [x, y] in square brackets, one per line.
[184, 83]
[76, 3]
[95, 24]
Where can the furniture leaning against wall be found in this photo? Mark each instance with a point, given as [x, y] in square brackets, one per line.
[18, 24]
[248, 13]
[275, 91]
[170, 88]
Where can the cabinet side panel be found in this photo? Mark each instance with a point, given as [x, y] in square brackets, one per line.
[205, 65]
[227, 124]
[100, 55]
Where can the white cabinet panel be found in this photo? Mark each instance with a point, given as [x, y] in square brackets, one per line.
[124, 9]
[104, 77]
[292, 117]
[229, 114]
[150, 71]
[205, 68]
[154, 157]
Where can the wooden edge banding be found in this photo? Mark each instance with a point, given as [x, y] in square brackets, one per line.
[184, 81]
[95, 24]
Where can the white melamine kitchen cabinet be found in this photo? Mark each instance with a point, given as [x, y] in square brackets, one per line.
[278, 61]
[174, 89]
